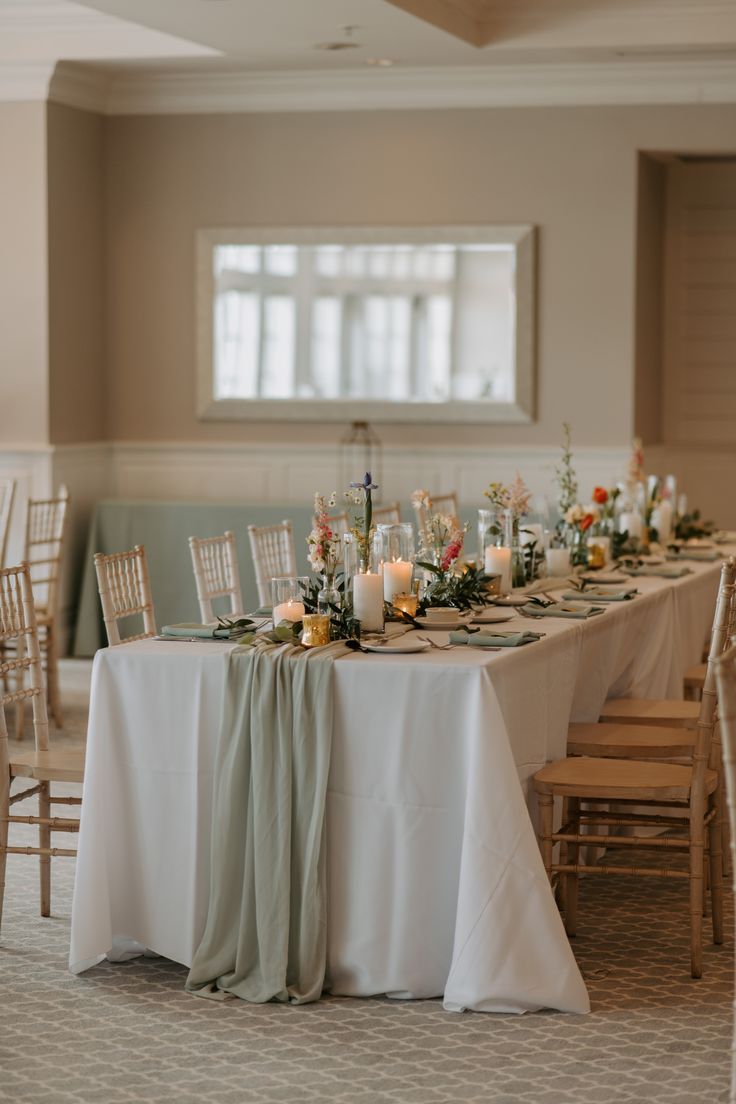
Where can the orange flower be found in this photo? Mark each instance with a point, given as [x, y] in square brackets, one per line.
[600, 495]
[586, 522]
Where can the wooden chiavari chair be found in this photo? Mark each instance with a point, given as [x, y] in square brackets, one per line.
[46, 524]
[215, 563]
[7, 494]
[43, 765]
[439, 504]
[125, 591]
[676, 788]
[725, 670]
[272, 549]
[390, 514]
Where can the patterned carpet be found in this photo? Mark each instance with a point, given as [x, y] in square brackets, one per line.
[128, 1032]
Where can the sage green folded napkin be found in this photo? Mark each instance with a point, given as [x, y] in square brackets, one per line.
[564, 609]
[599, 594]
[493, 640]
[196, 630]
[263, 611]
[706, 554]
[664, 571]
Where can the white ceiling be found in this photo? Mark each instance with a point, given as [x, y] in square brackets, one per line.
[151, 55]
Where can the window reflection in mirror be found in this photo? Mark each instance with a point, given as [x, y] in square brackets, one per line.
[428, 325]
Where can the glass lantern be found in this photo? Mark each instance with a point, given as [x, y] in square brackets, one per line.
[394, 552]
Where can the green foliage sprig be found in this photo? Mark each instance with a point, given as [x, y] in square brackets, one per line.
[565, 475]
[690, 526]
[461, 591]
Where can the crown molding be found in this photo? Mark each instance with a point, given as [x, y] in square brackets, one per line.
[545, 85]
[27, 82]
[76, 86]
[627, 82]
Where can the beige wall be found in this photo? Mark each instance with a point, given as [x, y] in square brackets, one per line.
[571, 171]
[76, 276]
[23, 275]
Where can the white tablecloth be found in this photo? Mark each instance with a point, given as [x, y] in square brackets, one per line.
[435, 882]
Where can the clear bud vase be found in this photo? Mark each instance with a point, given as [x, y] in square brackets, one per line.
[328, 599]
[512, 541]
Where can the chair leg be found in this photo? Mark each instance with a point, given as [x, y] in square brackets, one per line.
[52, 676]
[716, 879]
[4, 806]
[44, 840]
[546, 808]
[572, 881]
[697, 855]
[562, 882]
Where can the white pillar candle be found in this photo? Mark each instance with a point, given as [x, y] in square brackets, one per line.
[662, 520]
[531, 533]
[368, 601]
[558, 561]
[498, 562]
[630, 522]
[288, 611]
[396, 578]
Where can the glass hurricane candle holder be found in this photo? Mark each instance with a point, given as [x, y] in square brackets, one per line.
[287, 598]
[407, 603]
[394, 549]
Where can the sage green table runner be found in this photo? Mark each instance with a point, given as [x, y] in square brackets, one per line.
[265, 935]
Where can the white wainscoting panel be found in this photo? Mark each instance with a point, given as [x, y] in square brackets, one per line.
[291, 473]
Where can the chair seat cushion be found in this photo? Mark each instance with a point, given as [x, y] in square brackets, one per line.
[55, 765]
[604, 779]
[651, 711]
[630, 741]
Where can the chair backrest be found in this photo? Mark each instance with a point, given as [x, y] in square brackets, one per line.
[125, 590]
[23, 667]
[7, 494]
[707, 751]
[390, 514]
[438, 504]
[46, 520]
[272, 548]
[446, 504]
[215, 563]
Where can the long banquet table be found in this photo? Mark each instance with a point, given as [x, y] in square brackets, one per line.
[435, 885]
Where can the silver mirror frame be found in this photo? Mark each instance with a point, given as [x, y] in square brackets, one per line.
[522, 411]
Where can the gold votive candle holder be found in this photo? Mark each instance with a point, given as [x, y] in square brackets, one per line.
[407, 603]
[596, 555]
[315, 629]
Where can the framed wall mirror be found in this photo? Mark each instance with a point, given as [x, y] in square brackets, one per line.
[431, 324]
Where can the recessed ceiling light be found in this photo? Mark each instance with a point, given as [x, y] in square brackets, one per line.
[381, 63]
[338, 45]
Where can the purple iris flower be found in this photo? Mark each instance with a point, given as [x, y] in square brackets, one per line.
[366, 485]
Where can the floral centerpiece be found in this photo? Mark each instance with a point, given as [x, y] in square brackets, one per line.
[441, 546]
[512, 504]
[325, 549]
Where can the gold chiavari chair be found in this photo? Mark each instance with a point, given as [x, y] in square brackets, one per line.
[685, 793]
[125, 591]
[274, 555]
[215, 563]
[43, 765]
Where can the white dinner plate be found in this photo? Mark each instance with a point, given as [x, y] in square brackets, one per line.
[399, 648]
[435, 624]
[488, 617]
[513, 600]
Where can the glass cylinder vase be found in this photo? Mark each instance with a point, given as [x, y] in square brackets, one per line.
[394, 551]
